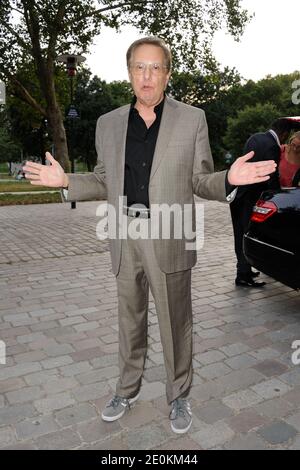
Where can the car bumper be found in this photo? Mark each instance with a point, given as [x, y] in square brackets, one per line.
[283, 265]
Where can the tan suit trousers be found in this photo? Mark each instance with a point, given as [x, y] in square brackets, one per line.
[139, 270]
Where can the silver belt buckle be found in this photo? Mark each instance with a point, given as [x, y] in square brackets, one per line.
[137, 212]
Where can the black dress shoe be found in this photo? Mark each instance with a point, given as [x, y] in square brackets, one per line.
[254, 274]
[249, 282]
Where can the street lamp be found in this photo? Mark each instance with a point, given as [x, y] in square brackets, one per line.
[71, 61]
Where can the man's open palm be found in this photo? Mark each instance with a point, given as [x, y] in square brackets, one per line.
[243, 172]
[51, 175]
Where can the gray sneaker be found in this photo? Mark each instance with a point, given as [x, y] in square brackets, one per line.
[116, 407]
[181, 416]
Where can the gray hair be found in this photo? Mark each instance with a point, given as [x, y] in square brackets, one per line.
[153, 41]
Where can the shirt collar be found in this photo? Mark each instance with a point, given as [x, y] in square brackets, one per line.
[157, 109]
[273, 133]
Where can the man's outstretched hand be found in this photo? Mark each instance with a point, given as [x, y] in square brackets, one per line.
[243, 172]
[51, 175]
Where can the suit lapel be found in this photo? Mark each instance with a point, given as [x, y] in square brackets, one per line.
[120, 136]
[165, 131]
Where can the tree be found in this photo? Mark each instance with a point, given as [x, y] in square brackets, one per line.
[9, 150]
[38, 30]
[248, 121]
[93, 98]
[207, 89]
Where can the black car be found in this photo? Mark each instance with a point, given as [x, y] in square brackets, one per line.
[272, 242]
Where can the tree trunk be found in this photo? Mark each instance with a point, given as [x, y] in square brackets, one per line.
[59, 137]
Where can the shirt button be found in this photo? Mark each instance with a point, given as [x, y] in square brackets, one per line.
[142, 187]
[143, 164]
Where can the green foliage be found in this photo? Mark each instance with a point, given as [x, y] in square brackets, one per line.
[9, 150]
[93, 98]
[250, 120]
[253, 106]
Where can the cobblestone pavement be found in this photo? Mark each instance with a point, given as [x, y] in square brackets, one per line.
[58, 319]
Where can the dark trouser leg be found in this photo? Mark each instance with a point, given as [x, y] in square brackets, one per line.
[240, 214]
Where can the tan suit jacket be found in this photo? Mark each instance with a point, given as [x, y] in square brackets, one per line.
[182, 166]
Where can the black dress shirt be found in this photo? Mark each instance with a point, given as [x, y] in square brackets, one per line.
[140, 147]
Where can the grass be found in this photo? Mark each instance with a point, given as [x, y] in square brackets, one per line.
[21, 186]
[5, 176]
[23, 199]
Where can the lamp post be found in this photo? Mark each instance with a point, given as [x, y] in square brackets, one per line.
[2, 93]
[71, 61]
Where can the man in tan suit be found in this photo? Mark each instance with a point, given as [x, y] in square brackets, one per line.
[154, 152]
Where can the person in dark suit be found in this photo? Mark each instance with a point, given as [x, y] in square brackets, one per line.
[266, 146]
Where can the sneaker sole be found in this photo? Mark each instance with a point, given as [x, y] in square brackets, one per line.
[109, 419]
[181, 431]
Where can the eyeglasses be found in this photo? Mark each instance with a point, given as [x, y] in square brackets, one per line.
[139, 68]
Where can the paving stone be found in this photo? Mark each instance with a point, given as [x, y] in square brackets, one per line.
[249, 442]
[146, 437]
[265, 353]
[293, 396]
[271, 367]
[278, 432]
[75, 369]
[157, 373]
[213, 435]
[246, 421]
[242, 399]
[238, 380]
[59, 350]
[98, 375]
[25, 395]
[60, 440]
[240, 362]
[234, 349]
[294, 420]
[212, 412]
[38, 426]
[7, 436]
[19, 370]
[11, 384]
[22, 446]
[292, 377]
[41, 378]
[75, 414]
[274, 408]
[296, 444]
[57, 385]
[210, 357]
[56, 362]
[54, 402]
[215, 370]
[16, 413]
[142, 413]
[91, 392]
[271, 388]
[97, 430]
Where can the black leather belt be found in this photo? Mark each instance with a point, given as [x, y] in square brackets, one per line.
[141, 212]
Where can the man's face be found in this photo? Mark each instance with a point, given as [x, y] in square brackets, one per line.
[148, 74]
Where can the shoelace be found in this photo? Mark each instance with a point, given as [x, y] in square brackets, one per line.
[116, 400]
[180, 408]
